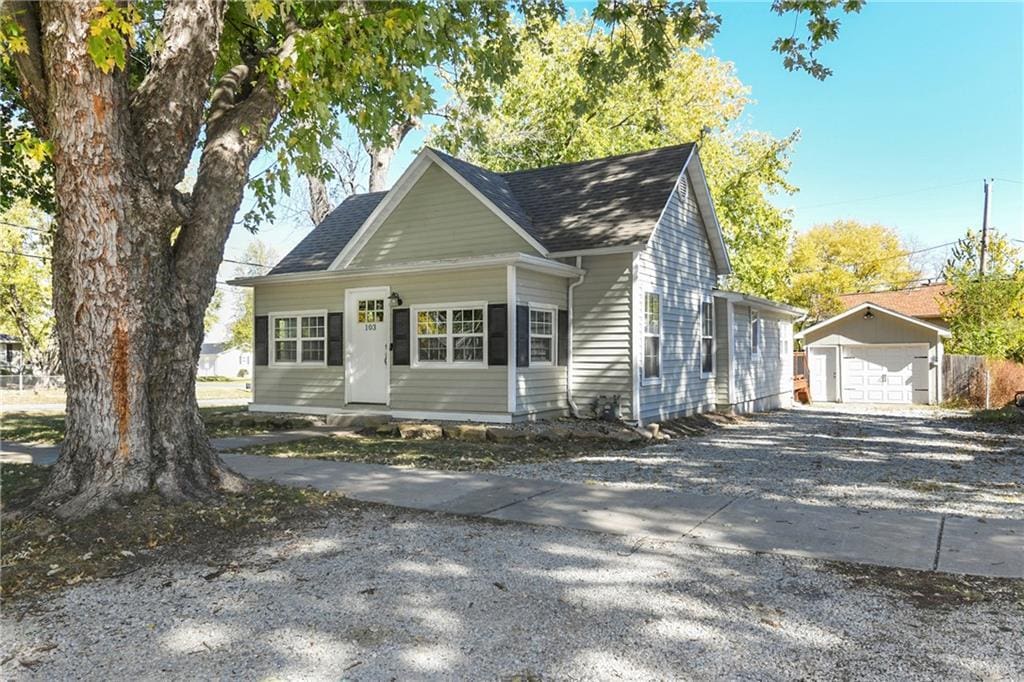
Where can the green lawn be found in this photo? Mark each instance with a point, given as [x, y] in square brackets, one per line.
[48, 427]
[205, 390]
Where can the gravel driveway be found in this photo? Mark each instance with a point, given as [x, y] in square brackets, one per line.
[402, 595]
[925, 459]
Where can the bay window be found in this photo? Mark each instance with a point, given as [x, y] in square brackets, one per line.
[542, 336]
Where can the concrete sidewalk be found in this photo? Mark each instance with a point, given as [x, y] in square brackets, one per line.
[930, 542]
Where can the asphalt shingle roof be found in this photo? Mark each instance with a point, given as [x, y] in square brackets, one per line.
[321, 246]
[918, 302]
[613, 201]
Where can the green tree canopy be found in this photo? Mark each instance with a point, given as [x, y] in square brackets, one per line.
[26, 311]
[986, 311]
[547, 114]
[844, 257]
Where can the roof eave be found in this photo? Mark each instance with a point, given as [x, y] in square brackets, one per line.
[945, 333]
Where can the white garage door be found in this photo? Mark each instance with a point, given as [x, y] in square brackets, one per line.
[885, 374]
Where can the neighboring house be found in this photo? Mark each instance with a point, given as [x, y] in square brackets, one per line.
[922, 302]
[467, 294]
[216, 359]
[10, 354]
[871, 354]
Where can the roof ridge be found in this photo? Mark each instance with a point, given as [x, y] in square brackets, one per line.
[594, 160]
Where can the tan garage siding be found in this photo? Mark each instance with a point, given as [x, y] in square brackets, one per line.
[439, 219]
[541, 389]
[679, 265]
[883, 328]
[601, 348]
[423, 389]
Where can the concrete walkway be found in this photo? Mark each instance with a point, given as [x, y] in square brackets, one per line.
[930, 542]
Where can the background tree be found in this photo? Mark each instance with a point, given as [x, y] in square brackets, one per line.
[845, 257]
[547, 114]
[25, 292]
[240, 329]
[122, 95]
[985, 312]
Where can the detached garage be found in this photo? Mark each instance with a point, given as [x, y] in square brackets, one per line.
[870, 354]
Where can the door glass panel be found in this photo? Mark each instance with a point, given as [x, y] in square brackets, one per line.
[370, 311]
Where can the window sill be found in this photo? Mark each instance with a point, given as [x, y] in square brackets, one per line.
[652, 381]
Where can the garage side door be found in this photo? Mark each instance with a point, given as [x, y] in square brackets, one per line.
[883, 374]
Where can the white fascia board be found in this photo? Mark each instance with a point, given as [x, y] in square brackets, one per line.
[599, 250]
[516, 227]
[885, 311]
[523, 260]
[758, 302]
[707, 209]
[373, 221]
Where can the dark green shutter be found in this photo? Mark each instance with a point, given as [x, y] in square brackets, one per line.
[261, 348]
[400, 337]
[335, 340]
[497, 334]
[522, 336]
[563, 337]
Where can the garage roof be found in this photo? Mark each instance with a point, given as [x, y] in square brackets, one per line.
[942, 331]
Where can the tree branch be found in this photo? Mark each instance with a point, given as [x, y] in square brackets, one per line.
[29, 64]
[168, 104]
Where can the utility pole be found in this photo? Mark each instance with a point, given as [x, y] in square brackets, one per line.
[984, 228]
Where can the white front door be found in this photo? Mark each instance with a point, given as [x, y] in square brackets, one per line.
[367, 334]
[821, 364]
[882, 374]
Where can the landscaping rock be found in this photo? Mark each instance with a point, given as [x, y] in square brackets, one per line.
[420, 431]
[555, 433]
[626, 436]
[387, 430]
[356, 420]
[476, 432]
[506, 435]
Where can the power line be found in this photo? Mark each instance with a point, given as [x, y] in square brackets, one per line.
[26, 255]
[886, 196]
[902, 254]
[24, 227]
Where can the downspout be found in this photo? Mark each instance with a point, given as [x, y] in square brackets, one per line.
[573, 407]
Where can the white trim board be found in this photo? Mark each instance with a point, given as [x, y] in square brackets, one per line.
[524, 260]
[863, 306]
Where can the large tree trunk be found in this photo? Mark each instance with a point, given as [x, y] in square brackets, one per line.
[381, 156]
[129, 297]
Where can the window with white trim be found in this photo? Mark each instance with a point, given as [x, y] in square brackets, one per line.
[450, 335]
[300, 339]
[542, 335]
[755, 331]
[707, 338]
[652, 335]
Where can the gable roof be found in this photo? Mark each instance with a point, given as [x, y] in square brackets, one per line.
[942, 331]
[918, 302]
[318, 250]
[611, 202]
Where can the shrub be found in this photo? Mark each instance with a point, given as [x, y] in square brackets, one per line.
[213, 378]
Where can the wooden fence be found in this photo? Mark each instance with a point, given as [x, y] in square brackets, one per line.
[801, 390]
[957, 371]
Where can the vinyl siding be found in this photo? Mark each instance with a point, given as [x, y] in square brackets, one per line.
[412, 388]
[679, 265]
[439, 218]
[764, 378]
[541, 389]
[601, 340]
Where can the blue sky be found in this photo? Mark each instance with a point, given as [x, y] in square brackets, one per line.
[926, 100]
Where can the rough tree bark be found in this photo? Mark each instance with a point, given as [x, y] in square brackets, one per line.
[382, 156]
[319, 202]
[135, 263]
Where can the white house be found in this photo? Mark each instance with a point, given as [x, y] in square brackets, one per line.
[216, 359]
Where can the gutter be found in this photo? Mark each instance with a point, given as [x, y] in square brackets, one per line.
[573, 407]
